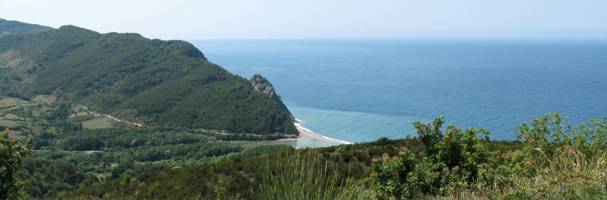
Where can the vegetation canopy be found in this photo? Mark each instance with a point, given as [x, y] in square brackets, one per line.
[153, 82]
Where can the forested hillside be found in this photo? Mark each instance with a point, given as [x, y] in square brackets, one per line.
[15, 27]
[153, 82]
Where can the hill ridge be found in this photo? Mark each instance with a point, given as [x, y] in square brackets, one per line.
[150, 81]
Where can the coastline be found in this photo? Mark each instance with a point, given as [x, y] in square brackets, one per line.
[307, 135]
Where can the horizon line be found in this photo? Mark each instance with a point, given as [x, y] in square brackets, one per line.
[597, 38]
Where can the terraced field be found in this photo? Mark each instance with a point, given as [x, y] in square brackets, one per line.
[14, 113]
[10, 108]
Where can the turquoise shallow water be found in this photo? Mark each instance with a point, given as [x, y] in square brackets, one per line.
[361, 90]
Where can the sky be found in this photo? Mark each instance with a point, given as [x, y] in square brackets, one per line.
[202, 19]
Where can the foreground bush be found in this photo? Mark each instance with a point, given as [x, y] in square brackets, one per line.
[559, 161]
[447, 160]
[553, 161]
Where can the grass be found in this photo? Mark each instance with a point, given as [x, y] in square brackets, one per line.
[13, 60]
[44, 99]
[8, 103]
[5, 58]
[98, 123]
[81, 118]
[10, 112]
[3, 64]
[12, 117]
[572, 175]
[568, 177]
[9, 123]
[303, 177]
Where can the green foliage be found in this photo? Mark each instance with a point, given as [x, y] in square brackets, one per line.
[12, 152]
[67, 157]
[66, 161]
[158, 83]
[460, 164]
[551, 161]
[222, 178]
[560, 161]
[448, 159]
[546, 137]
[252, 175]
[392, 176]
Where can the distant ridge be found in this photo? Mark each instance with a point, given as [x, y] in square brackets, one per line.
[15, 27]
[153, 82]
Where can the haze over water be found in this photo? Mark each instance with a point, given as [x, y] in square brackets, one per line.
[361, 90]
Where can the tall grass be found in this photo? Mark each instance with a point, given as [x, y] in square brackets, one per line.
[304, 176]
[569, 176]
[557, 162]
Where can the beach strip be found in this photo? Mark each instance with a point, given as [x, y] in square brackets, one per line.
[309, 135]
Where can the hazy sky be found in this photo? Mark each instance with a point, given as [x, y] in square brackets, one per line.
[193, 19]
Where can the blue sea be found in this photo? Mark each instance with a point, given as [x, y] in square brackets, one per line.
[363, 89]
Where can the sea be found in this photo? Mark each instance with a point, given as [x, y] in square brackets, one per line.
[360, 90]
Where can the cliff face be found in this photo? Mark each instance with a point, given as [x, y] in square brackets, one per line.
[261, 84]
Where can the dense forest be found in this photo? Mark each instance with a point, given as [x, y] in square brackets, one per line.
[153, 82]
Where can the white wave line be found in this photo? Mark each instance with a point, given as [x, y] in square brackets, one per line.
[298, 124]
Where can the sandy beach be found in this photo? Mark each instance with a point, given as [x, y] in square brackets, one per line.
[306, 134]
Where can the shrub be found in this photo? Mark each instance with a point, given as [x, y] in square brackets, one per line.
[560, 161]
[447, 159]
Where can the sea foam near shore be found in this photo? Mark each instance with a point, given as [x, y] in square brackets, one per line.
[309, 138]
[307, 134]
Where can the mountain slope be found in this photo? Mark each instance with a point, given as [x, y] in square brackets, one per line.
[15, 27]
[155, 82]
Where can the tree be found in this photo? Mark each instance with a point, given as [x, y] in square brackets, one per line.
[11, 154]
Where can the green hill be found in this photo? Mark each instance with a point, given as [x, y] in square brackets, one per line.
[154, 82]
[15, 27]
